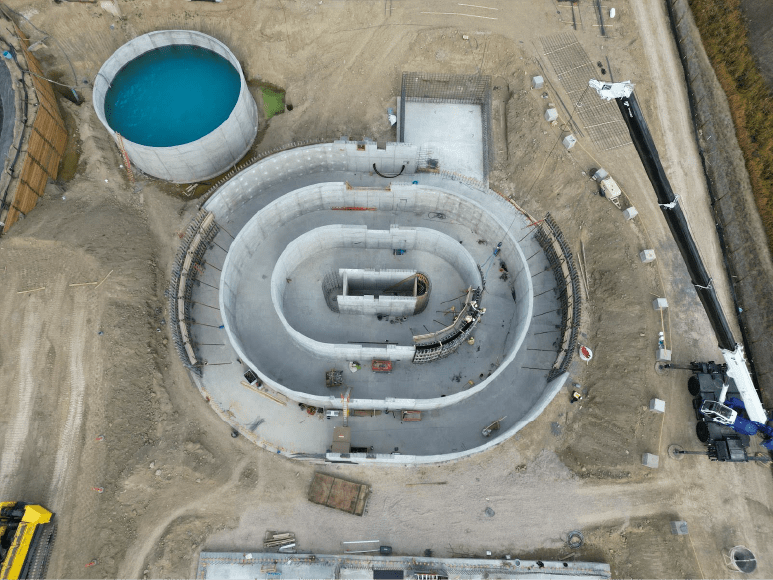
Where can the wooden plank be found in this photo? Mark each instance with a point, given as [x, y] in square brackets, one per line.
[344, 495]
[25, 199]
[362, 498]
[320, 488]
[11, 218]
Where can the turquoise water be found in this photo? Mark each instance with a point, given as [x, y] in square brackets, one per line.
[172, 95]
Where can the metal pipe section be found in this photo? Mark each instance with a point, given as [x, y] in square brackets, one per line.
[672, 211]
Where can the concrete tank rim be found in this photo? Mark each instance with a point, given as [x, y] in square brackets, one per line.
[417, 404]
[101, 79]
[120, 55]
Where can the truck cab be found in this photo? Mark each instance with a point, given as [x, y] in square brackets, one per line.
[719, 413]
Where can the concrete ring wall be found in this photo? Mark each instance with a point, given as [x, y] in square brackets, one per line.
[398, 197]
[204, 158]
[348, 236]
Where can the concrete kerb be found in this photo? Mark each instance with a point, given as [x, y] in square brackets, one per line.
[510, 247]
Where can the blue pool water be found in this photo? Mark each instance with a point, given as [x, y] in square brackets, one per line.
[172, 95]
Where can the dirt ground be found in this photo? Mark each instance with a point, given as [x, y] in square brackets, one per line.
[80, 362]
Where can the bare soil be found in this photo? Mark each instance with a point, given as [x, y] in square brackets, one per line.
[80, 362]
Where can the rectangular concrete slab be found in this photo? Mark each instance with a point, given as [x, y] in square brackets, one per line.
[450, 133]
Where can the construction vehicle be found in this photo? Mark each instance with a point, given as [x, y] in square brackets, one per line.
[722, 421]
[607, 186]
[26, 537]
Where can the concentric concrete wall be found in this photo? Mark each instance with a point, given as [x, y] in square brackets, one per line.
[345, 236]
[274, 216]
[201, 159]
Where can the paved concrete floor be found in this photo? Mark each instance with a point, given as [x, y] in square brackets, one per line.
[450, 133]
[455, 429]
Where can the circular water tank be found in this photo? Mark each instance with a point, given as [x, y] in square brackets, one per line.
[178, 104]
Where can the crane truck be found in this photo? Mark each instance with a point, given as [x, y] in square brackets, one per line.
[726, 401]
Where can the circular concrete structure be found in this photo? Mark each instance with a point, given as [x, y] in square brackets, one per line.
[431, 309]
[204, 157]
[334, 246]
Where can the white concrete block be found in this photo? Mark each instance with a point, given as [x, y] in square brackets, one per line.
[551, 115]
[647, 256]
[630, 213]
[660, 304]
[569, 141]
[679, 528]
[537, 82]
[663, 355]
[650, 460]
[658, 405]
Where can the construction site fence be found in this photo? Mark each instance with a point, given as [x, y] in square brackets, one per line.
[46, 139]
[560, 260]
[452, 89]
[188, 263]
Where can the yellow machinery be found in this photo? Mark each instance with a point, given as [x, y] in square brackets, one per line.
[26, 535]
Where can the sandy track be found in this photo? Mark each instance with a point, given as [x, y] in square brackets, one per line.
[135, 559]
[19, 414]
[77, 383]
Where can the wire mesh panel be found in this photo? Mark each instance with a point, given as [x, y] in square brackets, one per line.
[449, 88]
[574, 69]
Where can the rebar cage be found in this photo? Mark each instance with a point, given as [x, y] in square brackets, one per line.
[449, 88]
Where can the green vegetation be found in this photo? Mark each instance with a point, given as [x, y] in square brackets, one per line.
[725, 36]
[273, 101]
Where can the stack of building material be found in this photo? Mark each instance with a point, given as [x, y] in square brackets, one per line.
[284, 541]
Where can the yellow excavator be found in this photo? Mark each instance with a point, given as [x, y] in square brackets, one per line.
[26, 537]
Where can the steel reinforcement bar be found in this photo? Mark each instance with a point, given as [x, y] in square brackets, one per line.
[552, 241]
[190, 257]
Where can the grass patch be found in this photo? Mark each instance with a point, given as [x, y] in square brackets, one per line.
[273, 101]
[725, 37]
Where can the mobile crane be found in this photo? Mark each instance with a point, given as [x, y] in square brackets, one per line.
[724, 422]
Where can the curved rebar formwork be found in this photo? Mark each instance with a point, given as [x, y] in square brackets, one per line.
[189, 260]
[551, 238]
[423, 291]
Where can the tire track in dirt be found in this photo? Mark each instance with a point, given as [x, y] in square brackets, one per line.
[16, 432]
[134, 561]
[77, 388]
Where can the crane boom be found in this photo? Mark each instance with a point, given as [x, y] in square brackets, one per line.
[732, 352]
